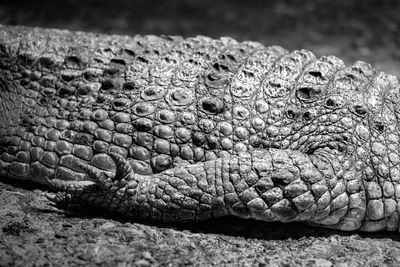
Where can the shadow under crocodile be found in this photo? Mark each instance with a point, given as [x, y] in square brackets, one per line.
[228, 225]
[234, 226]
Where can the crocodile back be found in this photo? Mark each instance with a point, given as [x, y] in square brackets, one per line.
[69, 97]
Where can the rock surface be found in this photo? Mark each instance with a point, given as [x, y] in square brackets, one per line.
[33, 233]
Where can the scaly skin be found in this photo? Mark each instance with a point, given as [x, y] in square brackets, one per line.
[178, 129]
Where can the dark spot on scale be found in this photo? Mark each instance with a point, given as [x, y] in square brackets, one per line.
[274, 145]
[12, 150]
[24, 82]
[66, 91]
[150, 92]
[26, 121]
[195, 62]
[129, 52]
[46, 62]
[143, 109]
[220, 67]
[3, 49]
[129, 85]
[261, 189]
[153, 93]
[180, 97]
[213, 77]
[307, 116]
[111, 72]
[360, 110]
[74, 62]
[198, 138]
[213, 105]
[379, 126]
[109, 84]
[43, 101]
[316, 74]
[120, 104]
[83, 139]
[292, 112]
[118, 62]
[212, 142]
[275, 84]
[288, 210]
[335, 102]
[164, 117]
[143, 124]
[170, 60]
[90, 75]
[100, 99]
[142, 59]
[307, 93]
[48, 92]
[26, 58]
[330, 102]
[161, 163]
[66, 77]
[255, 142]
[228, 57]
[83, 90]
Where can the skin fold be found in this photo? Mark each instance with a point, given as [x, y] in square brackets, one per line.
[177, 130]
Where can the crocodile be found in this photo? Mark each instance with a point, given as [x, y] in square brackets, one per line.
[186, 129]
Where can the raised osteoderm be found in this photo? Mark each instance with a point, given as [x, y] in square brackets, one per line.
[177, 129]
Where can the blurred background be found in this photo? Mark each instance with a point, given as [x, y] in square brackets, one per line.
[350, 29]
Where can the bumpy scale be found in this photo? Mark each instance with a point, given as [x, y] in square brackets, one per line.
[177, 129]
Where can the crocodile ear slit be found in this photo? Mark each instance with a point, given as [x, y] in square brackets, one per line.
[123, 167]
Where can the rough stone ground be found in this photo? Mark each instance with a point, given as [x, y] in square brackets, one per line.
[32, 233]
